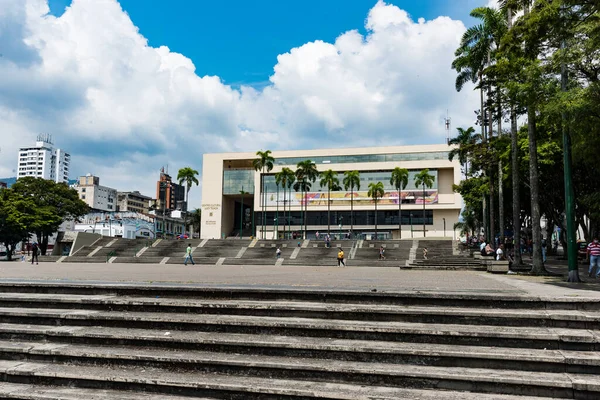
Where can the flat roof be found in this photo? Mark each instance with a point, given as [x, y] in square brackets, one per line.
[425, 148]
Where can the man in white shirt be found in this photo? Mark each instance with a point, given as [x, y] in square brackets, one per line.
[500, 253]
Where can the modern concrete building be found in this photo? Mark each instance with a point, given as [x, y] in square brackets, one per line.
[133, 201]
[170, 196]
[44, 161]
[99, 198]
[227, 212]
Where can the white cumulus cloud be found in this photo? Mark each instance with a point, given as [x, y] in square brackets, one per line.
[124, 109]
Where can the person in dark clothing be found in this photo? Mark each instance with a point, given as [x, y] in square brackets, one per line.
[34, 253]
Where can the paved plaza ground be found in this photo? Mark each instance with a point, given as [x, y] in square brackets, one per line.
[330, 278]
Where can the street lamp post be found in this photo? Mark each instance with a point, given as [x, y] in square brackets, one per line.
[444, 226]
[411, 226]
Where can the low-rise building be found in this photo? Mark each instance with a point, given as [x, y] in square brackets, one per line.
[133, 201]
[100, 198]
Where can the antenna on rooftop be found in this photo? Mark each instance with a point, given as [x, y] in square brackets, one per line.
[447, 126]
[45, 137]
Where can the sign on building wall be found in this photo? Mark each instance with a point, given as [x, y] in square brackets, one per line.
[343, 198]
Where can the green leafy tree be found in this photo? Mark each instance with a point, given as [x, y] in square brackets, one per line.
[54, 203]
[423, 179]
[330, 180]
[351, 181]
[306, 175]
[17, 214]
[464, 141]
[399, 180]
[376, 192]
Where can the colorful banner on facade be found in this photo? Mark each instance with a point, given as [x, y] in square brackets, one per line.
[342, 198]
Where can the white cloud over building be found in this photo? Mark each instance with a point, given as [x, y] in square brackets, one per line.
[124, 108]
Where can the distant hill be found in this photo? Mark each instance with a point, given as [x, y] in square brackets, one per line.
[8, 181]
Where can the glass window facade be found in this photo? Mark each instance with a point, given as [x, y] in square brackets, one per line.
[365, 178]
[236, 179]
[361, 217]
[364, 158]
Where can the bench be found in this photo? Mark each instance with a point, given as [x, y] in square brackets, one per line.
[497, 266]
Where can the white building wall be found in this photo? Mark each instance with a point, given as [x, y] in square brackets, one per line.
[43, 161]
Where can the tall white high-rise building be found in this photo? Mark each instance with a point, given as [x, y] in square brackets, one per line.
[44, 161]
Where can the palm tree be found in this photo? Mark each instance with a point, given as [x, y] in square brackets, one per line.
[399, 180]
[264, 162]
[376, 192]
[477, 46]
[468, 224]
[188, 176]
[306, 174]
[284, 178]
[351, 181]
[424, 179]
[287, 182]
[330, 179]
[464, 139]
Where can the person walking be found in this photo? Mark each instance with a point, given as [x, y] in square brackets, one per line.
[593, 250]
[34, 253]
[188, 255]
[278, 252]
[381, 253]
[340, 258]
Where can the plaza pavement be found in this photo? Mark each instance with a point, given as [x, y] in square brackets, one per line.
[307, 277]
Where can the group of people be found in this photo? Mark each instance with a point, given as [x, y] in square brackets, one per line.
[35, 252]
[486, 249]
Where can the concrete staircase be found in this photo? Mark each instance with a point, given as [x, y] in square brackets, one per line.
[440, 256]
[150, 342]
[106, 248]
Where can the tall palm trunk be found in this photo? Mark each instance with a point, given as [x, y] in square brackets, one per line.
[399, 214]
[538, 264]
[328, 210]
[491, 182]
[263, 200]
[500, 175]
[352, 209]
[376, 218]
[284, 218]
[516, 195]
[484, 139]
[424, 210]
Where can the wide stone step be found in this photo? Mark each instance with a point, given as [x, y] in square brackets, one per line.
[249, 387]
[83, 260]
[19, 391]
[252, 346]
[409, 313]
[482, 335]
[476, 299]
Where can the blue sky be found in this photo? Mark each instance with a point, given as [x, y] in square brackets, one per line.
[239, 40]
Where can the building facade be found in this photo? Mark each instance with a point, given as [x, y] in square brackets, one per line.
[44, 161]
[169, 195]
[99, 198]
[133, 201]
[232, 203]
